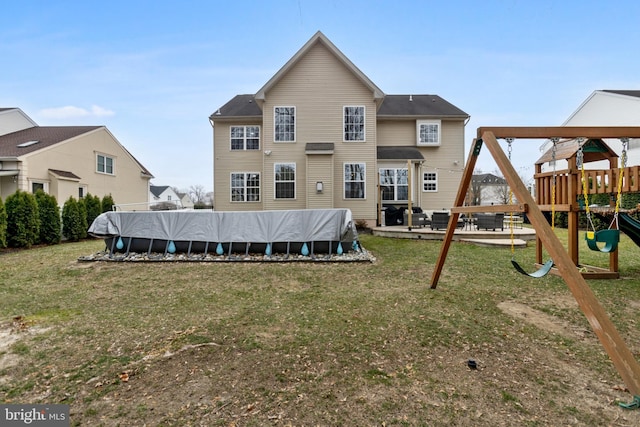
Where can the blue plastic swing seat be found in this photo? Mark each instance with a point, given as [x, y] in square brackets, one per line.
[542, 271]
[609, 237]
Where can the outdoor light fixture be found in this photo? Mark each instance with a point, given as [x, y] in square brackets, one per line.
[319, 186]
[267, 152]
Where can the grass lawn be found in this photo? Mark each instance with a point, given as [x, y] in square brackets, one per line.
[253, 344]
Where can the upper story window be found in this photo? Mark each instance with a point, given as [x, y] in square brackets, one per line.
[245, 187]
[354, 123]
[284, 124]
[245, 137]
[394, 184]
[428, 132]
[285, 180]
[430, 182]
[104, 164]
[354, 180]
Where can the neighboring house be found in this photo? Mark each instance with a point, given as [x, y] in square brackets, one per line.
[67, 161]
[488, 189]
[185, 200]
[164, 197]
[320, 134]
[608, 108]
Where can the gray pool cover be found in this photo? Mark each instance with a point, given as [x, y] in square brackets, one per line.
[304, 225]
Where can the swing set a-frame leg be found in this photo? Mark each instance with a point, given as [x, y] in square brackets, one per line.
[605, 330]
[462, 194]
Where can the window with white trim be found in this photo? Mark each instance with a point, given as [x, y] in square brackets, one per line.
[245, 137]
[430, 182]
[284, 121]
[245, 187]
[105, 164]
[39, 185]
[394, 184]
[428, 132]
[354, 180]
[285, 180]
[353, 120]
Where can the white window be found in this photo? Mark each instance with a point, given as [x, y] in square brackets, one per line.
[285, 180]
[354, 180]
[104, 164]
[245, 187]
[428, 132]
[245, 137]
[353, 123]
[430, 182]
[284, 124]
[39, 185]
[394, 184]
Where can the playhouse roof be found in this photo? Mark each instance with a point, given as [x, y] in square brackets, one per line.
[593, 149]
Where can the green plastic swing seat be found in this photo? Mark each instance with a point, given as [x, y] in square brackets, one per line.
[609, 237]
[542, 271]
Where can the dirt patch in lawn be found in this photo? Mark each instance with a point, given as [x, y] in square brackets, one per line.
[537, 318]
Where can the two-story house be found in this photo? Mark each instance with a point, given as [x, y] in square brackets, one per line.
[67, 161]
[321, 134]
[162, 197]
[607, 108]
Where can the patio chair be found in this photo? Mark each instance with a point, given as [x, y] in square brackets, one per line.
[439, 220]
[418, 219]
[491, 221]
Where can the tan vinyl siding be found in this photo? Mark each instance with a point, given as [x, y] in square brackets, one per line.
[227, 161]
[442, 160]
[320, 168]
[396, 132]
[78, 155]
[438, 159]
[319, 86]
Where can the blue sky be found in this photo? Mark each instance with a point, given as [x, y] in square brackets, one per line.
[153, 71]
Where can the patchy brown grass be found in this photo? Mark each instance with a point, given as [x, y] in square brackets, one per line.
[236, 344]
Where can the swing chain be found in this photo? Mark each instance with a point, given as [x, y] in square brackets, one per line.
[623, 165]
[585, 193]
[553, 182]
[509, 147]
[513, 251]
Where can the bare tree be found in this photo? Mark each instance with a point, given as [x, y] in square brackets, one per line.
[198, 194]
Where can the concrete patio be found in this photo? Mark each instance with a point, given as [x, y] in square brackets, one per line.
[498, 238]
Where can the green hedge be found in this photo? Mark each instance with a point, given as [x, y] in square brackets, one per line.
[107, 203]
[3, 225]
[49, 218]
[23, 222]
[74, 220]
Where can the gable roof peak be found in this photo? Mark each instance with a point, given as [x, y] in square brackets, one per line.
[319, 37]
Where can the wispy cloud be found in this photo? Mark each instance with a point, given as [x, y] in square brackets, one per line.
[73, 112]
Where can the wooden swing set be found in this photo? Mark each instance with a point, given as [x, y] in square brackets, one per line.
[554, 191]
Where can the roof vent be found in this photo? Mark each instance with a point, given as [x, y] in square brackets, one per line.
[27, 144]
[410, 98]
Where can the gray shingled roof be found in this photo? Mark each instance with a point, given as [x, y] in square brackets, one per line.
[414, 106]
[399, 153]
[418, 106]
[157, 190]
[239, 106]
[45, 135]
[64, 174]
[319, 146]
[635, 93]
